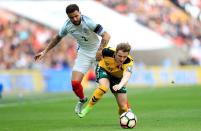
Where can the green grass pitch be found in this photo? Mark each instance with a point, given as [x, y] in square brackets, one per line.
[157, 109]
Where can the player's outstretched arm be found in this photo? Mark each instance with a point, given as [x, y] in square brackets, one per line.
[124, 81]
[52, 44]
[103, 44]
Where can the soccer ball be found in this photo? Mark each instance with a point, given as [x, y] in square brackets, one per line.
[128, 120]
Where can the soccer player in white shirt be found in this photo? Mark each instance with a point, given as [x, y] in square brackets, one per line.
[85, 31]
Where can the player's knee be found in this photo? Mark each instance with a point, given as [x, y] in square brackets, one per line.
[76, 84]
[103, 88]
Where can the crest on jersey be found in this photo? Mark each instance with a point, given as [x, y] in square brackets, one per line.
[85, 30]
[129, 69]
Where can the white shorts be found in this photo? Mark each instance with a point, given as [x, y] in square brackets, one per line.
[83, 62]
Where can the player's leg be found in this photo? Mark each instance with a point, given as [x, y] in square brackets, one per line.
[97, 95]
[76, 84]
[129, 106]
[82, 64]
[122, 99]
[114, 81]
[78, 89]
[99, 92]
[104, 83]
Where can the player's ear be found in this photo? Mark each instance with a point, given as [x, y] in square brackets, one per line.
[115, 53]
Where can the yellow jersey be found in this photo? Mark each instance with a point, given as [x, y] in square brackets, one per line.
[109, 64]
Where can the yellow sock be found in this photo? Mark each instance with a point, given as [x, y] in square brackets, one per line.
[123, 110]
[97, 95]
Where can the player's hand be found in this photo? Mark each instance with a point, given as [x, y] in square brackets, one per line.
[116, 87]
[39, 56]
[98, 55]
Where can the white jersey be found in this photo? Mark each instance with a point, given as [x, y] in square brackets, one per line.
[85, 34]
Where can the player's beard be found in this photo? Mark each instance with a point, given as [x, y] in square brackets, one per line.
[76, 22]
[119, 64]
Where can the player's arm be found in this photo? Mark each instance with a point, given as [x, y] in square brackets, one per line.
[104, 41]
[125, 79]
[56, 39]
[53, 43]
[98, 29]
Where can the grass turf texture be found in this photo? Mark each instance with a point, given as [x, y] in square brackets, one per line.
[157, 109]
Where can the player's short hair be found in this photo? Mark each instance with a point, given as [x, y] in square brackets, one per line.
[125, 47]
[71, 8]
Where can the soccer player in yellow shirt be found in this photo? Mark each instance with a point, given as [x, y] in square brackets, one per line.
[112, 72]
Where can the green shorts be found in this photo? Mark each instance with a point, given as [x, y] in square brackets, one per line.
[101, 73]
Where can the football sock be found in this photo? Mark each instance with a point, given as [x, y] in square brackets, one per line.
[78, 89]
[123, 110]
[128, 105]
[97, 95]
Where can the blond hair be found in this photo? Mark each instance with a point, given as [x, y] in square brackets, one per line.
[125, 47]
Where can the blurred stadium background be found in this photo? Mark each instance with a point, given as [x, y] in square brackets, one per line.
[165, 37]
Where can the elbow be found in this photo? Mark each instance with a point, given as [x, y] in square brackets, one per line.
[57, 38]
[106, 36]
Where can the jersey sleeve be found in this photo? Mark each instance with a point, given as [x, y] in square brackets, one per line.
[63, 31]
[97, 28]
[129, 66]
[107, 52]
